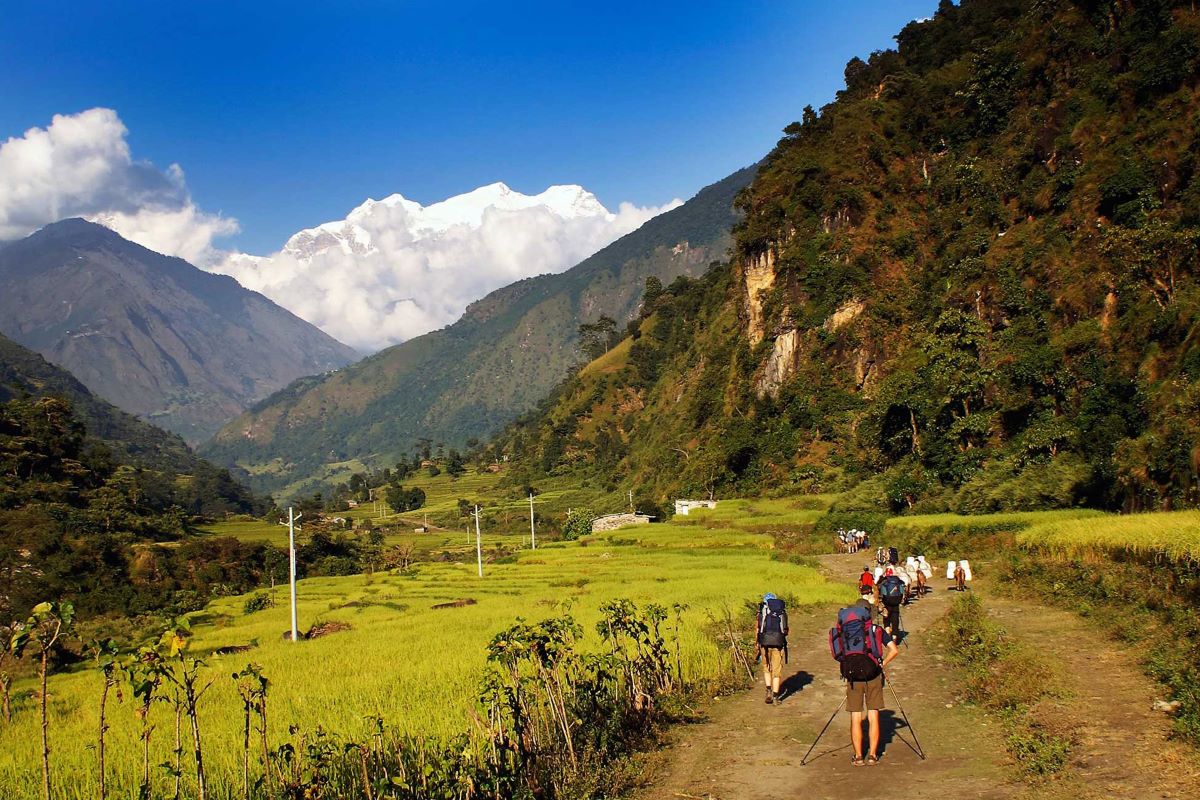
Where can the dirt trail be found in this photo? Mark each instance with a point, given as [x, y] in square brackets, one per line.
[748, 750]
[1124, 748]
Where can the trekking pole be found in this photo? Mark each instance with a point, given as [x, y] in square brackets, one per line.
[896, 697]
[822, 733]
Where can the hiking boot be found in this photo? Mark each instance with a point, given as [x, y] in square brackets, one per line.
[770, 696]
[779, 698]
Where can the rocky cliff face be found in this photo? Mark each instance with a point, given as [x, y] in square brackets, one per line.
[758, 278]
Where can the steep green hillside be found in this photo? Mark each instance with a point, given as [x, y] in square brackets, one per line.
[467, 380]
[131, 441]
[969, 283]
[85, 491]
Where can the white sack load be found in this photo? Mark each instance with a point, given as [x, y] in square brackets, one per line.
[950, 567]
[966, 565]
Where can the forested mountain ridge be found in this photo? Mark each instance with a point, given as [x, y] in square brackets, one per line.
[183, 348]
[501, 358]
[85, 489]
[129, 440]
[968, 283]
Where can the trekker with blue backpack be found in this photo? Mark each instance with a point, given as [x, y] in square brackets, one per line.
[891, 594]
[771, 637]
[863, 649]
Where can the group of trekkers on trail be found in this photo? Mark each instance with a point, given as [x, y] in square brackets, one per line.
[853, 540]
[862, 647]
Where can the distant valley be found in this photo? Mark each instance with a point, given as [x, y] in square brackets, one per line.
[471, 378]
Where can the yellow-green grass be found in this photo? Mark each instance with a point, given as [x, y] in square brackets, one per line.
[758, 514]
[331, 473]
[555, 496]
[248, 530]
[990, 523]
[1175, 535]
[415, 666]
[613, 360]
[456, 540]
[505, 515]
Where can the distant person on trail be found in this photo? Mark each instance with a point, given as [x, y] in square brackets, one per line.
[771, 635]
[866, 581]
[863, 650]
[891, 594]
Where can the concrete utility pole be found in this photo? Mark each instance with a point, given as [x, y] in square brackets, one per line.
[631, 501]
[291, 526]
[478, 543]
[532, 532]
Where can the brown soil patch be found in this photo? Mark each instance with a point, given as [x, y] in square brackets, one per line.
[326, 628]
[459, 603]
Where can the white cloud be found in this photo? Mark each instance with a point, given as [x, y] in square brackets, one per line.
[80, 166]
[394, 269]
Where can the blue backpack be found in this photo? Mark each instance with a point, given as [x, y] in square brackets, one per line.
[857, 644]
[772, 623]
[891, 588]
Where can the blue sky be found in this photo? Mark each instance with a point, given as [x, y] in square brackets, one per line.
[284, 115]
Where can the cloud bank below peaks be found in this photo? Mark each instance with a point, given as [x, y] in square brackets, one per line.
[80, 166]
[394, 269]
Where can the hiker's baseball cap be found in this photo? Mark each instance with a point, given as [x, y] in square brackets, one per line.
[769, 596]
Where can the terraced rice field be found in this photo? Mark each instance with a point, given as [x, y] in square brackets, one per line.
[1175, 535]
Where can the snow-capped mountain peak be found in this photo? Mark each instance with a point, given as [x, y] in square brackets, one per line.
[400, 216]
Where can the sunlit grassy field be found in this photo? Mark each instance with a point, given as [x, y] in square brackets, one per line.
[984, 523]
[764, 513]
[1175, 535]
[417, 666]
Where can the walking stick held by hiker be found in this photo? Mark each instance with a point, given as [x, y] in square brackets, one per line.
[803, 761]
[896, 697]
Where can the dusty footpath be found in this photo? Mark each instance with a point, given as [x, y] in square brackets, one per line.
[748, 750]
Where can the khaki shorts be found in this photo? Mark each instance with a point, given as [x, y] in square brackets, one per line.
[773, 660]
[868, 692]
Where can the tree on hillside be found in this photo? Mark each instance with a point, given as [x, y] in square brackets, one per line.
[597, 338]
[650, 294]
[401, 499]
